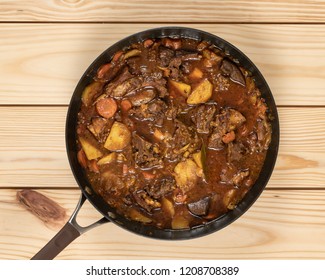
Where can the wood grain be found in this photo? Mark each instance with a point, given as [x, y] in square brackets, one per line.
[42, 63]
[278, 226]
[47, 45]
[32, 148]
[163, 11]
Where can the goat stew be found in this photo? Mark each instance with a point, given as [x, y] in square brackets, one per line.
[172, 132]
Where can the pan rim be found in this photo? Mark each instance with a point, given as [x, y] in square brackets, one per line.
[148, 230]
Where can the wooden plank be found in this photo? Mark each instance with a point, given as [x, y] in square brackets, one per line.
[32, 148]
[42, 63]
[278, 226]
[164, 11]
[32, 151]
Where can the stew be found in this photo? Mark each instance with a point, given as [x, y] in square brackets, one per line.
[172, 132]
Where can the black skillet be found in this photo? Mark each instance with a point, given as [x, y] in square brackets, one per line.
[72, 230]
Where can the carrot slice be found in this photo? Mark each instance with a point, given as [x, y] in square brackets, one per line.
[148, 43]
[106, 107]
[228, 137]
[82, 158]
[103, 70]
[172, 43]
[93, 166]
[126, 105]
[117, 56]
[148, 175]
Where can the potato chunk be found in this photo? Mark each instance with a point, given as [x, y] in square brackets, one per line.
[137, 216]
[131, 53]
[180, 222]
[182, 88]
[89, 92]
[186, 174]
[196, 74]
[198, 159]
[231, 199]
[201, 94]
[118, 138]
[90, 148]
[107, 159]
[167, 206]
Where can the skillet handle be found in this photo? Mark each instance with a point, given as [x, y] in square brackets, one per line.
[66, 235]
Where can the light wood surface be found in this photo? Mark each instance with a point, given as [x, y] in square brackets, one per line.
[163, 11]
[47, 45]
[279, 226]
[47, 60]
[33, 141]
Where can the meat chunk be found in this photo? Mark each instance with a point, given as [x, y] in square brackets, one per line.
[182, 139]
[235, 120]
[97, 125]
[202, 118]
[164, 56]
[186, 67]
[172, 111]
[147, 155]
[125, 87]
[153, 111]
[231, 177]
[239, 177]
[161, 186]
[175, 62]
[123, 76]
[188, 55]
[182, 58]
[230, 69]
[225, 122]
[229, 120]
[173, 68]
[260, 139]
[200, 207]
[123, 84]
[252, 141]
[215, 140]
[134, 65]
[263, 134]
[182, 135]
[159, 84]
[111, 183]
[142, 96]
[236, 150]
[144, 200]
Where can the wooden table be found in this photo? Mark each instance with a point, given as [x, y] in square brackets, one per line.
[45, 46]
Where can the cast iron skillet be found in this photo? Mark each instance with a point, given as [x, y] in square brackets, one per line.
[72, 230]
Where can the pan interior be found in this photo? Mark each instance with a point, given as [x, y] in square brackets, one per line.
[147, 230]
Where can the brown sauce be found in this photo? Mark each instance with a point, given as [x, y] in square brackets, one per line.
[172, 132]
